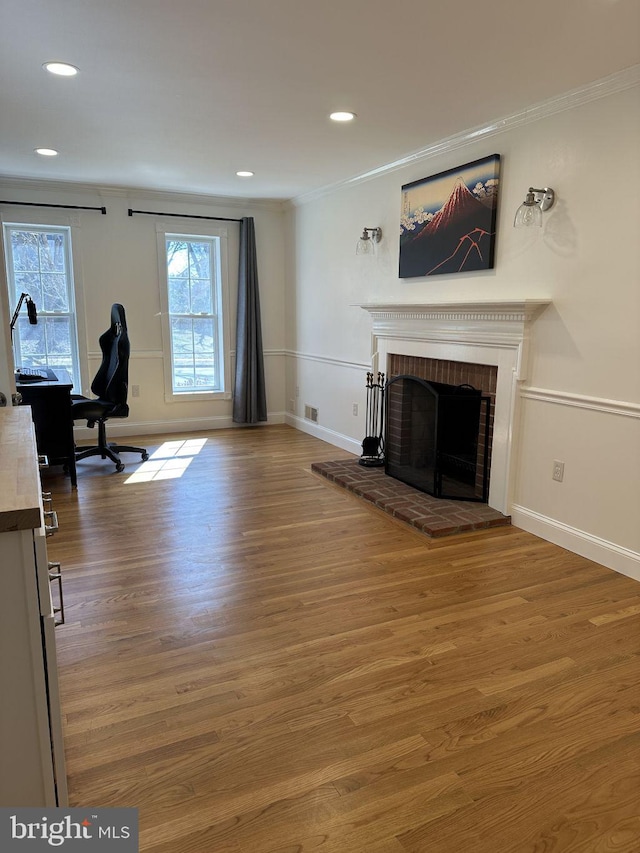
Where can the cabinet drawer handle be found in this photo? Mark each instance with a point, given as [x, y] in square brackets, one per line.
[53, 527]
[43, 461]
[47, 498]
[56, 575]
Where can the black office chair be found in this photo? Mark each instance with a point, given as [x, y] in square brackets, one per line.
[110, 385]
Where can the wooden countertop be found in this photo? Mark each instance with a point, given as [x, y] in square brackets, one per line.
[20, 489]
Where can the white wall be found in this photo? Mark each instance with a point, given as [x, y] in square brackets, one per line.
[581, 401]
[117, 261]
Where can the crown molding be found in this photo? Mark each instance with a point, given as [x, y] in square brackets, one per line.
[193, 198]
[130, 193]
[614, 83]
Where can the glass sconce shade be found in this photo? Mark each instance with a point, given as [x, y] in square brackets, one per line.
[530, 211]
[528, 214]
[366, 245]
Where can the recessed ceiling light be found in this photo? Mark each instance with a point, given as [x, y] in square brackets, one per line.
[244, 174]
[46, 152]
[342, 116]
[62, 69]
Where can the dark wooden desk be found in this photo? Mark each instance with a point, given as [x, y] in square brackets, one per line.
[51, 412]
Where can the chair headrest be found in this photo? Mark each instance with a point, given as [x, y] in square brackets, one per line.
[118, 318]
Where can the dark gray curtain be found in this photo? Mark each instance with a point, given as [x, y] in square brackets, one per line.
[249, 396]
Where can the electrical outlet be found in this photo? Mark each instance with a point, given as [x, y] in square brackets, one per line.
[355, 410]
[292, 405]
[135, 390]
[558, 471]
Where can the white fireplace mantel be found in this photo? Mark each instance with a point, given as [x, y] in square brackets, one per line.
[485, 332]
[491, 321]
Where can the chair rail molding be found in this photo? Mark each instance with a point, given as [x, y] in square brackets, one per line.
[623, 408]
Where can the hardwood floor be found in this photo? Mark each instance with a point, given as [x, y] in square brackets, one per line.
[262, 663]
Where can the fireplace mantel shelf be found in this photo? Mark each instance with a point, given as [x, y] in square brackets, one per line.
[490, 310]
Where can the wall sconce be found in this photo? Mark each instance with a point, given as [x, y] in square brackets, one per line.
[530, 211]
[367, 243]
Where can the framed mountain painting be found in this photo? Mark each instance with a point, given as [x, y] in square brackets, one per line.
[448, 222]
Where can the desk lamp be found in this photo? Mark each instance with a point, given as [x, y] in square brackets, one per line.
[31, 311]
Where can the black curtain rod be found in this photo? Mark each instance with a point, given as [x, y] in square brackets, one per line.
[185, 215]
[102, 210]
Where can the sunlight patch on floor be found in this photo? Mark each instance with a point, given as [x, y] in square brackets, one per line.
[168, 462]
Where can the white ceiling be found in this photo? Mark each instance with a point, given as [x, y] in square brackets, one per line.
[179, 94]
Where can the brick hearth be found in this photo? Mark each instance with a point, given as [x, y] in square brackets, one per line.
[429, 515]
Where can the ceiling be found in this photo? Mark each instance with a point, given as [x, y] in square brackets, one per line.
[180, 94]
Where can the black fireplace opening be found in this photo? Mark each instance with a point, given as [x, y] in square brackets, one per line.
[432, 437]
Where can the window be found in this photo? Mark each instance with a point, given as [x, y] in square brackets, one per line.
[39, 264]
[194, 298]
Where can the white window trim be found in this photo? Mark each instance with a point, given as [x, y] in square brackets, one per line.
[57, 219]
[188, 229]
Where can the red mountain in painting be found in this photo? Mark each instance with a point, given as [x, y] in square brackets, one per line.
[460, 208]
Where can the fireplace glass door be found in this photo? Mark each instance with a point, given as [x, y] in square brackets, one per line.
[432, 432]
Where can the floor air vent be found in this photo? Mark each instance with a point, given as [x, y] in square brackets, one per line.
[311, 414]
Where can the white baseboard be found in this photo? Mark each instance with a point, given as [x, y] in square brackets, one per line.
[116, 427]
[608, 554]
[324, 434]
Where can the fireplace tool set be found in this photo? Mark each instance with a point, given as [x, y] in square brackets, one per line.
[373, 444]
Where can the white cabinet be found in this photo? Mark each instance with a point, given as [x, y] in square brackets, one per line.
[32, 771]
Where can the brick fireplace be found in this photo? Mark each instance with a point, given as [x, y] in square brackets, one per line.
[482, 377]
[483, 343]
